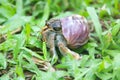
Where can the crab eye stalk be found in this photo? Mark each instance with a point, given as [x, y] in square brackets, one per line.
[55, 24]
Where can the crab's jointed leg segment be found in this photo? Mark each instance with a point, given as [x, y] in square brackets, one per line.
[49, 38]
[61, 43]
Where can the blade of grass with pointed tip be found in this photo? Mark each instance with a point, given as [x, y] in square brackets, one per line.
[19, 6]
[34, 54]
[19, 71]
[45, 51]
[3, 62]
[20, 40]
[91, 11]
[46, 14]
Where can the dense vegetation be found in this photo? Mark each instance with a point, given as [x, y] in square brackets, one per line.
[23, 56]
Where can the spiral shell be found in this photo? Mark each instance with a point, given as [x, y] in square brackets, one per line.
[75, 30]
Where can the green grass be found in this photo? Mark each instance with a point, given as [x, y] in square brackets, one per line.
[23, 56]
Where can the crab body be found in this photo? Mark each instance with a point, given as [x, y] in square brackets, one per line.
[71, 31]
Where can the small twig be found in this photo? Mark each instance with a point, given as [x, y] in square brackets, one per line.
[4, 36]
[44, 65]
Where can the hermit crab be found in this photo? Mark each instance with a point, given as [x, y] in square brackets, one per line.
[66, 33]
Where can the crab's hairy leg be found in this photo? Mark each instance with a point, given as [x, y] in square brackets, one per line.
[49, 38]
[51, 44]
[61, 43]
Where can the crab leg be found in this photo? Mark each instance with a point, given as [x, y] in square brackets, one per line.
[49, 38]
[61, 43]
[51, 43]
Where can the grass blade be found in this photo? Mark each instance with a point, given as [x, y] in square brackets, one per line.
[19, 6]
[3, 63]
[91, 11]
[44, 50]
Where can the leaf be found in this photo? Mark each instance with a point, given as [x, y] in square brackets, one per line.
[90, 75]
[105, 65]
[35, 42]
[116, 74]
[57, 75]
[3, 1]
[19, 7]
[3, 62]
[91, 49]
[46, 14]
[91, 11]
[31, 52]
[2, 19]
[31, 66]
[19, 71]
[20, 40]
[116, 4]
[27, 32]
[7, 45]
[14, 22]
[7, 11]
[45, 51]
[84, 61]
[107, 40]
[104, 76]
[61, 15]
[60, 74]
[4, 77]
[116, 61]
[115, 29]
[113, 53]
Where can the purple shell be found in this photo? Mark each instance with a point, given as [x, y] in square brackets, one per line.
[75, 30]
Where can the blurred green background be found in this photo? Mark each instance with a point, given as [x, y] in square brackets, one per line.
[23, 56]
